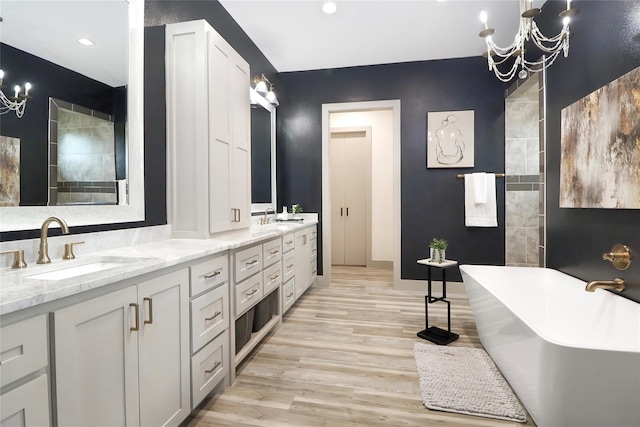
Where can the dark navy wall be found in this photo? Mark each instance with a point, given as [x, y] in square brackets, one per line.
[432, 199]
[606, 45]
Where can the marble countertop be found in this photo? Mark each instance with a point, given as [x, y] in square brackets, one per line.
[18, 290]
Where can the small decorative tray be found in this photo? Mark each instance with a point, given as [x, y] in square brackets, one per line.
[290, 220]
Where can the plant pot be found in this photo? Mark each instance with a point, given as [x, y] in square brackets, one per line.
[438, 255]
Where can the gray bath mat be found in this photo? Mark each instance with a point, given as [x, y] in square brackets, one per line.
[465, 381]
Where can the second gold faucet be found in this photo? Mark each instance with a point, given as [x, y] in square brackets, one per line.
[43, 250]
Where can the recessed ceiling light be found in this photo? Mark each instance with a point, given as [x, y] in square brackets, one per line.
[329, 7]
[85, 42]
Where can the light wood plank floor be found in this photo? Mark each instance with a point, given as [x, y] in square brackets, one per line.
[343, 357]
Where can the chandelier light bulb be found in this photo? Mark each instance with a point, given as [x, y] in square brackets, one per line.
[483, 17]
[27, 87]
[329, 7]
[1, 76]
[566, 20]
[16, 88]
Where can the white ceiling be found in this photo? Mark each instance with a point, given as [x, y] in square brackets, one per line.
[296, 35]
[50, 29]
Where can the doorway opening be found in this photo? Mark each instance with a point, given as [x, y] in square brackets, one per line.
[383, 176]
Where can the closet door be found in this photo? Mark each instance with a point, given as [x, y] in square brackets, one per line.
[350, 176]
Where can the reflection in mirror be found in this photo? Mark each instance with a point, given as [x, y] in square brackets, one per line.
[263, 153]
[33, 52]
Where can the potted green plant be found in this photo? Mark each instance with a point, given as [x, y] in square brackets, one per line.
[438, 248]
[297, 210]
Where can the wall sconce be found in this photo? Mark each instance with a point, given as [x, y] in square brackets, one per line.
[16, 103]
[261, 87]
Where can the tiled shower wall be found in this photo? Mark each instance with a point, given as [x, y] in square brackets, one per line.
[82, 155]
[524, 166]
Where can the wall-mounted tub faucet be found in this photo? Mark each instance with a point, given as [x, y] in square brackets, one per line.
[617, 284]
[620, 256]
[43, 251]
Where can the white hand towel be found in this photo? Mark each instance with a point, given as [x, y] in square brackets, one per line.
[479, 187]
[480, 214]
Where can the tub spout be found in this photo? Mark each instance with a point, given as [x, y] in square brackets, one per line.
[617, 284]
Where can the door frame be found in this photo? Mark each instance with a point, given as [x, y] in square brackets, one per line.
[367, 135]
[327, 109]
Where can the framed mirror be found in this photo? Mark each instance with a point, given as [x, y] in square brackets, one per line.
[263, 153]
[23, 36]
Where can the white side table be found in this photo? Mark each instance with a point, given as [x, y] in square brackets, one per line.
[433, 333]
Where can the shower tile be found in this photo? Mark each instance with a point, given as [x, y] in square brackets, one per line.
[516, 246]
[521, 208]
[516, 157]
[532, 246]
[533, 156]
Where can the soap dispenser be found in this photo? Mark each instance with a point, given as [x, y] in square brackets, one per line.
[284, 215]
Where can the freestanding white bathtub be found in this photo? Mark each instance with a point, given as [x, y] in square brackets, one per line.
[571, 356]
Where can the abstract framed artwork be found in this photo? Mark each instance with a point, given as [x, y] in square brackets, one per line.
[600, 147]
[450, 137]
[10, 176]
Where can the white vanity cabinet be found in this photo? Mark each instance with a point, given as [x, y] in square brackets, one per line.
[288, 268]
[123, 358]
[24, 358]
[210, 319]
[208, 132]
[305, 259]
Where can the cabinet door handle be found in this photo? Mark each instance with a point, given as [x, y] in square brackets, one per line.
[214, 274]
[347, 211]
[340, 211]
[274, 277]
[137, 315]
[276, 252]
[150, 321]
[208, 371]
[252, 263]
[216, 314]
[252, 293]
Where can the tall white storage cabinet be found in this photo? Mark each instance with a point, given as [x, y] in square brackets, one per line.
[208, 132]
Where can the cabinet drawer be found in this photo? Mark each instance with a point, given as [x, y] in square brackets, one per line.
[23, 349]
[248, 293]
[314, 248]
[247, 262]
[209, 274]
[209, 366]
[288, 294]
[314, 270]
[313, 232]
[209, 316]
[271, 277]
[288, 264]
[288, 242]
[272, 251]
[27, 405]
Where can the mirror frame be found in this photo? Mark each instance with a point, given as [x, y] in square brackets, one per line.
[256, 98]
[22, 218]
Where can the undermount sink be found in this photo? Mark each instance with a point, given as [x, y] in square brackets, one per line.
[87, 267]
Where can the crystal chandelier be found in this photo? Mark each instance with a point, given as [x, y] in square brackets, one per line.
[528, 31]
[16, 103]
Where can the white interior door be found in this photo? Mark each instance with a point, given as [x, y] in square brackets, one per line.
[350, 201]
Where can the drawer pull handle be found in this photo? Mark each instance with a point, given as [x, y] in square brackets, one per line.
[252, 263]
[290, 266]
[137, 315]
[274, 277]
[276, 252]
[290, 295]
[150, 321]
[288, 242]
[215, 366]
[252, 293]
[214, 274]
[216, 314]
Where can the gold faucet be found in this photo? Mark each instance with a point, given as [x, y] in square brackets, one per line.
[43, 251]
[617, 284]
[265, 220]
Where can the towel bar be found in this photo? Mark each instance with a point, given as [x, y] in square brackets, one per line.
[498, 175]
